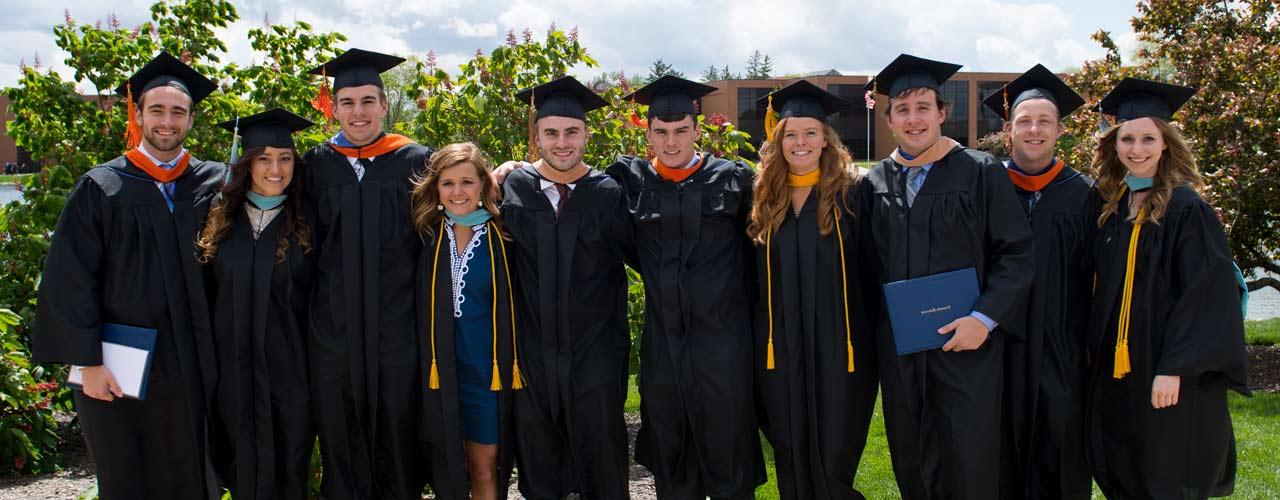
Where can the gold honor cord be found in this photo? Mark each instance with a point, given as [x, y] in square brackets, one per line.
[496, 384]
[1122, 367]
[844, 289]
[433, 381]
[516, 380]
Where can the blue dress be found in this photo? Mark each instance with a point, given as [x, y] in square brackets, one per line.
[473, 330]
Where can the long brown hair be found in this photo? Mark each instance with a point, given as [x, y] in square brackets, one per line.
[232, 197]
[1177, 167]
[426, 209]
[772, 198]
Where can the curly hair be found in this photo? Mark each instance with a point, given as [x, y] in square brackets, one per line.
[231, 199]
[1177, 167]
[772, 196]
[426, 211]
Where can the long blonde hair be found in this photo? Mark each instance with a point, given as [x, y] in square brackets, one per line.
[426, 195]
[1177, 167]
[772, 198]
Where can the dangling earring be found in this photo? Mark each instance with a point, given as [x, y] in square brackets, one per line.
[439, 207]
[480, 204]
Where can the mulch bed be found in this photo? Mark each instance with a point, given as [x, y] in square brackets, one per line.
[1264, 368]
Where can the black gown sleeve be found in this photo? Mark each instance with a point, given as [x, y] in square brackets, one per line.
[1010, 261]
[1205, 330]
[68, 307]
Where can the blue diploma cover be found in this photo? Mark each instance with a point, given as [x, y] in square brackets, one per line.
[918, 307]
[127, 352]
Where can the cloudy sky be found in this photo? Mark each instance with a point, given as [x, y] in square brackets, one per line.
[855, 37]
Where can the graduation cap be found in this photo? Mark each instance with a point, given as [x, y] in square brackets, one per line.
[564, 96]
[799, 99]
[1137, 98]
[354, 68]
[163, 70]
[670, 96]
[1037, 83]
[910, 72]
[274, 128]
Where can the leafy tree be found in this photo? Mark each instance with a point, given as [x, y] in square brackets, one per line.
[759, 66]
[660, 69]
[711, 74]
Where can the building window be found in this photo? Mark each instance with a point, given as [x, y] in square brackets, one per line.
[989, 122]
[856, 124]
[956, 93]
[750, 116]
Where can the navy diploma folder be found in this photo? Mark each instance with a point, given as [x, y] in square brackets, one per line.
[127, 352]
[918, 307]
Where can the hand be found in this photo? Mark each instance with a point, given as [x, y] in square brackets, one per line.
[99, 383]
[1164, 391]
[970, 334]
[500, 173]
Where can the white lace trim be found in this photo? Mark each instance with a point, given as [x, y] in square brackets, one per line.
[460, 265]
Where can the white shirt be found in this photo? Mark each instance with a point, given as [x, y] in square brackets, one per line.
[553, 195]
[161, 164]
[358, 167]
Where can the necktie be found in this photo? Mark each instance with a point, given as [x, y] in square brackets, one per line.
[563, 190]
[362, 164]
[913, 183]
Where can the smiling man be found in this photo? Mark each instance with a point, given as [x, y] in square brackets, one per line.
[571, 233]
[363, 353]
[1045, 370]
[122, 258]
[698, 431]
[934, 206]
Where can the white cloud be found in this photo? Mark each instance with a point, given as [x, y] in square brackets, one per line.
[465, 29]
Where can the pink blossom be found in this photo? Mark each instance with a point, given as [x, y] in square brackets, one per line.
[511, 39]
[528, 35]
[573, 34]
[717, 119]
[431, 60]
[113, 22]
[552, 28]
[66, 16]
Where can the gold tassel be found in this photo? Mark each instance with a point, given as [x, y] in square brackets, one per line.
[517, 382]
[844, 292]
[768, 273]
[433, 382]
[1122, 365]
[532, 155]
[770, 120]
[496, 385]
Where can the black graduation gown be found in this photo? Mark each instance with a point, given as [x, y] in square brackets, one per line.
[698, 432]
[1045, 371]
[574, 342]
[118, 255]
[1185, 321]
[440, 435]
[261, 429]
[942, 410]
[815, 413]
[364, 367]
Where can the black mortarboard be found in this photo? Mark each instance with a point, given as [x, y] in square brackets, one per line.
[1137, 98]
[564, 96]
[166, 70]
[357, 67]
[1037, 83]
[910, 72]
[803, 99]
[670, 95]
[274, 127]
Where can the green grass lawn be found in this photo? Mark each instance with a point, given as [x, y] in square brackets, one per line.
[4, 179]
[1262, 332]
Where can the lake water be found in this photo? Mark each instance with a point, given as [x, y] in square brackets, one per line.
[1263, 304]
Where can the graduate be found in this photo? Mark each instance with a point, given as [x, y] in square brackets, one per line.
[1166, 329]
[123, 253]
[815, 345]
[363, 357]
[571, 230]
[690, 212]
[1045, 370]
[257, 252]
[935, 206]
[467, 327]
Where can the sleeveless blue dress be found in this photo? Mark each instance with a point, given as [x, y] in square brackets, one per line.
[473, 330]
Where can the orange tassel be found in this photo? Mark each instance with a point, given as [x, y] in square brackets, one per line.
[849, 348]
[768, 363]
[434, 381]
[323, 102]
[532, 155]
[132, 130]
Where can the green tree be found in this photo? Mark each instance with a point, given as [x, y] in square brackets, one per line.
[759, 66]
[711, 74]
[659, 69]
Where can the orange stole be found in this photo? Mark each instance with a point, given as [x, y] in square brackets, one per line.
[677, 174]
[140, 160]
[384, 145]
[1034, 183]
